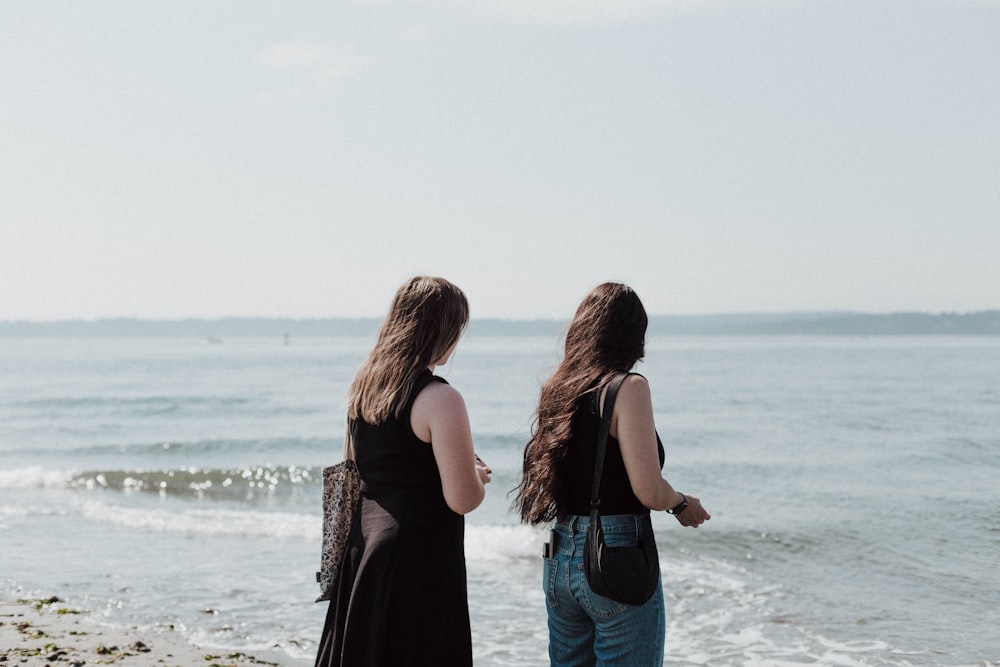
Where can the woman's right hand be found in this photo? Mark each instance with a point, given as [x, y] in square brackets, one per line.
[694, 514]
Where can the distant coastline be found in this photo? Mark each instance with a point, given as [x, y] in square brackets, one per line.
[981, 323]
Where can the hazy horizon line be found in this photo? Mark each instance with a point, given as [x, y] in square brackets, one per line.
[497, 318]
[802, 323]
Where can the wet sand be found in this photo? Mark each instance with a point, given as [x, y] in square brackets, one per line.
[47, 632]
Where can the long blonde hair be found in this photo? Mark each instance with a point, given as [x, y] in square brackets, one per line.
[426, 318]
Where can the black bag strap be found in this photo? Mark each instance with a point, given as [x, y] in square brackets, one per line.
[602, 438]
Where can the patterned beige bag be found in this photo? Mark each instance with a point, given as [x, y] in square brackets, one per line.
[341, 491]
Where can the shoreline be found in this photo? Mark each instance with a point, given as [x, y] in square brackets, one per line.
[46, 632]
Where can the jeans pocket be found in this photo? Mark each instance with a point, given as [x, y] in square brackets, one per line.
[550, 571]
[620, 536]
[598, 605]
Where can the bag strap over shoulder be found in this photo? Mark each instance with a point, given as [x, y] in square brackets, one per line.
[602, 438]
[348, 443]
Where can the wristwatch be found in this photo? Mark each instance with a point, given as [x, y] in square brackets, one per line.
[679, 508]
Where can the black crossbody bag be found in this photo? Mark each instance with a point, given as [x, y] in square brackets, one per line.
[625, 574]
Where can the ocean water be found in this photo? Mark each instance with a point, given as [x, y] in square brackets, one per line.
[854, 485]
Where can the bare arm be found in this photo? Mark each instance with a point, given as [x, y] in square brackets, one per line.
[633, 426]
[439, 417]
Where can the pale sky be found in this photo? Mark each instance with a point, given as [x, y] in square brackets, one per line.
[302, 159]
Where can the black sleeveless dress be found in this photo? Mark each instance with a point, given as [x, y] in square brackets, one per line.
[401, 598]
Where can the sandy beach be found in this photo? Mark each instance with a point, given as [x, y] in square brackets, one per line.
[47, 632]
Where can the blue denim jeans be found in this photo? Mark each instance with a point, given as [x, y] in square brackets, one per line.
[586, 629]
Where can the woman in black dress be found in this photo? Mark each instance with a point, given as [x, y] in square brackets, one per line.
[401, 597]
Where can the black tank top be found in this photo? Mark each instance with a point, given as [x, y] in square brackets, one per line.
[392, 460]
[616, 490]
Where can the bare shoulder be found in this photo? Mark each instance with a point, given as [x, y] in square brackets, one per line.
[438, 396]
[634, 388]
[634, 406]
[437, 405]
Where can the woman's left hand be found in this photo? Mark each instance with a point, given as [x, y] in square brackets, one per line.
[483, 470]
[694, 514]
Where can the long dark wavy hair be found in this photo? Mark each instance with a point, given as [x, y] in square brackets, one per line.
[426, 318]
[607, 335]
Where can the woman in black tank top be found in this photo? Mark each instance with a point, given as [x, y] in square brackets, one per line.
[605, 338]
